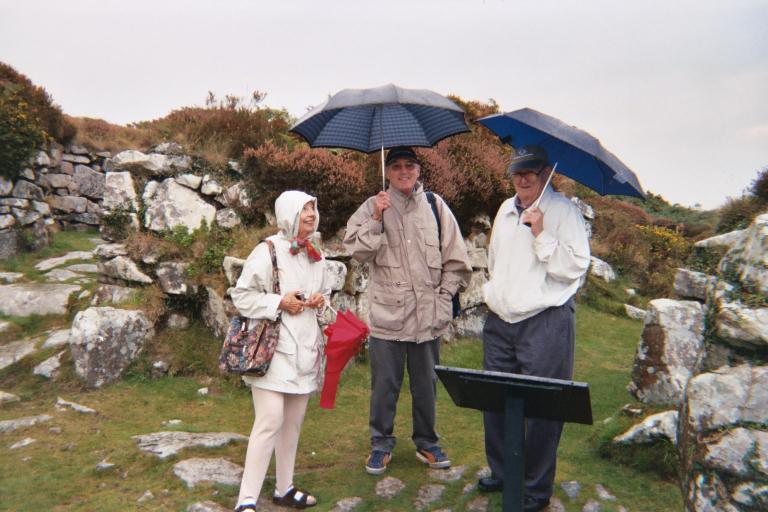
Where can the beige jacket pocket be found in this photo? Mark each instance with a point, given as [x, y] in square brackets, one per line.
[388, 311]
[443, 311]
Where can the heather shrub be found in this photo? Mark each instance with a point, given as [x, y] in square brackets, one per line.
[337, 179]
[38, 105]
[223, 128]
[759, 187]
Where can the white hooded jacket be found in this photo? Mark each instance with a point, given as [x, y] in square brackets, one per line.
[295, 367]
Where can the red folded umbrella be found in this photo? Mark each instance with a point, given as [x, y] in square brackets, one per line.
[345, 337]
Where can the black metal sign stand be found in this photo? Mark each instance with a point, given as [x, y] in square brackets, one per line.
[519, 397]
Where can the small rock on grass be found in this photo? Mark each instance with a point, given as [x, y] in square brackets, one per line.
[206, 506]
[28, 421]
[428, 494]
[347, 504]
[62, 404]
[555, 505]
[146, 497]
[104, 465]
[479, 504]
[484, 472]
[21, 444]
[603, 493]
[6, 398]
[591, 506]
[571, 488]
[449, 474]
[389, 487]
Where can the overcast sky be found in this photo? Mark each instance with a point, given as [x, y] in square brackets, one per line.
[678, 90]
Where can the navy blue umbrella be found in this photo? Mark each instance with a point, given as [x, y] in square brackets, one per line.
[370, 120]
[579, 155]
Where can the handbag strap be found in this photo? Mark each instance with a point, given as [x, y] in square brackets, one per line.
[275, 278]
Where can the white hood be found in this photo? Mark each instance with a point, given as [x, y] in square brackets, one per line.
[288, 206]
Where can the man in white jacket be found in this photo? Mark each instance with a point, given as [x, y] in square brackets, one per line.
[537, 260]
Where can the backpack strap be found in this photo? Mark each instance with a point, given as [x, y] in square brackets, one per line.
[433, 204]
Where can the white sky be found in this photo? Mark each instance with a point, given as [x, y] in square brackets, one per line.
[678, 90]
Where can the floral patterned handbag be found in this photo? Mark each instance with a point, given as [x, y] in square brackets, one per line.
[249, 350]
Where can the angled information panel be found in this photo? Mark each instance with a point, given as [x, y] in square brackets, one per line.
[518, 397]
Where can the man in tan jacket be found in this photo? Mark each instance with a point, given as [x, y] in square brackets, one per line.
[415, 271]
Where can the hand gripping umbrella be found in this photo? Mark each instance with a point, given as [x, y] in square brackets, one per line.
[370, 120]
[579, 154]
[345, 337]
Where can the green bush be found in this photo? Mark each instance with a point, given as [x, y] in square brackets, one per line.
[20, 133]
[39, 105]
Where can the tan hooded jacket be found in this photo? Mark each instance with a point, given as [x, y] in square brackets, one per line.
[412, 277]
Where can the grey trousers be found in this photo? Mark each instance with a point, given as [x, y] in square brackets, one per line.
[388, 361]
[542, 346]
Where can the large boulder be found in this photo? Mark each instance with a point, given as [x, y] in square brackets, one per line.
[173, 278]
[68, 204]
[747, 259]
[26, 190]
[170, 204]
[357, 279]
[214, 313]
[169, 443]
[693, 285]
[473, 295]
[668, 351]
[723, 443]
[119, 192]
[657, 426]
[232, 268]
[199, 470]
[124, 268]
[35, 298]
[336, 273]
[718, 241]
[89, 182]
[105, 340]
[153, 164]
[601, 269]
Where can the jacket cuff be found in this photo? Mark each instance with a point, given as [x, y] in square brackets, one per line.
[375, 227]
[271, 303]
[544, 245]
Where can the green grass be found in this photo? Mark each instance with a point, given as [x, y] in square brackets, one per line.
[60, 475]
[63, 242]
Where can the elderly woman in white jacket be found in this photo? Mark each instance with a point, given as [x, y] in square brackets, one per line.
[280, 397]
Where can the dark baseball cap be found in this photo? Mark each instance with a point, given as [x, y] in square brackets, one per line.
[527, 157]
[400, 152]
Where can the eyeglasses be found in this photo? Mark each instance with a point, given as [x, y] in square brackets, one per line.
[403, 166]
[528, 172]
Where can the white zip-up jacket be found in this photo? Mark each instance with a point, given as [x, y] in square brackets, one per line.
[530, 274]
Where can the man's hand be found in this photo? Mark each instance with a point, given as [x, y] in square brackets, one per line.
[316, 301]
[292, 302]
[535, 218]
[381, 203]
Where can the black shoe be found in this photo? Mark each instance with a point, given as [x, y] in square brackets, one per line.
[531, 504]
[490, 484]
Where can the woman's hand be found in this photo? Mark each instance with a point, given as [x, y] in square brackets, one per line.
[292, 302]
[316, 301]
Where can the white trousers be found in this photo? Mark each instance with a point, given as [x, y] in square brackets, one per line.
[276, 427]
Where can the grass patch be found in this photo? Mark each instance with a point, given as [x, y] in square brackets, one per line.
[63, 242]
[60, 475]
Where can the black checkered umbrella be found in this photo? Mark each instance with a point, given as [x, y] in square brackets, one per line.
[370, 120]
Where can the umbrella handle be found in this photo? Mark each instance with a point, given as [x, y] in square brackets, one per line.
[538, 199]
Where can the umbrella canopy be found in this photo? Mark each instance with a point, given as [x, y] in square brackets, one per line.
[368, 120]
[580, 155]
[345, 337]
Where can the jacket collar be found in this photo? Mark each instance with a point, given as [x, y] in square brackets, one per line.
[546, 198]
[401, 200]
